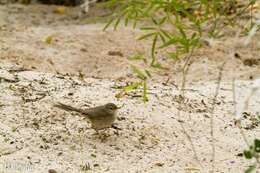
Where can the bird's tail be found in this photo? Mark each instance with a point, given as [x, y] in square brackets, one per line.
[67, 107]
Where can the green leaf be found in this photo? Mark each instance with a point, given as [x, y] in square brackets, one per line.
[132, 86]
[248, 154]
[147, 10]
[108, 24]
[166, 33]
[134, 23]
[148, 28]
[145, 98]
[173, 40]
[136, 57]
[162, 20]
[153, 48]
[116, 87]
[148, 73]
[93, 155]
[154, 21]
[257, 145]
[126, 21]
[181, 29]
[138, 72]
[162, 38]
[49, 39]
[250, 169]
[146, 36]
[252, 2]
[157, 65]
[173, 55]
[117, 23]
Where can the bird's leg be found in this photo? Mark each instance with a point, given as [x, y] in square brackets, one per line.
[96, 132]
[102, 135]
[116, 129]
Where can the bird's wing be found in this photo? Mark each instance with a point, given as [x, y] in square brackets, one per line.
[96, 112]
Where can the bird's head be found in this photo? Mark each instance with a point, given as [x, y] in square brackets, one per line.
[111, 107]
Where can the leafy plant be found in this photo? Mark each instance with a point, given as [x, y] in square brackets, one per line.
[253, 152]
[142, 83]
[177, 26]
[178, 23]
[143, 76]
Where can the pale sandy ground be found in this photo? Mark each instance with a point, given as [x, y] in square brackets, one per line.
[38, 137]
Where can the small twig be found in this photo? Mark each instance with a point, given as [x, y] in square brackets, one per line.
[249, 97]
[166, 82]
[238, 120]
[184, 73]
[9, 80]
[11, 152]
[212, 117]
[35, 99]
[20, 69]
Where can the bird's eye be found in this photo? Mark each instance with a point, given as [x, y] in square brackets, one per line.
[111, 107]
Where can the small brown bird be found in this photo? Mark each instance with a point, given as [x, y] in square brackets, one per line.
[101, 117]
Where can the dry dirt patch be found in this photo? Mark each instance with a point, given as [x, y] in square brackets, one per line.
[149, 138]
